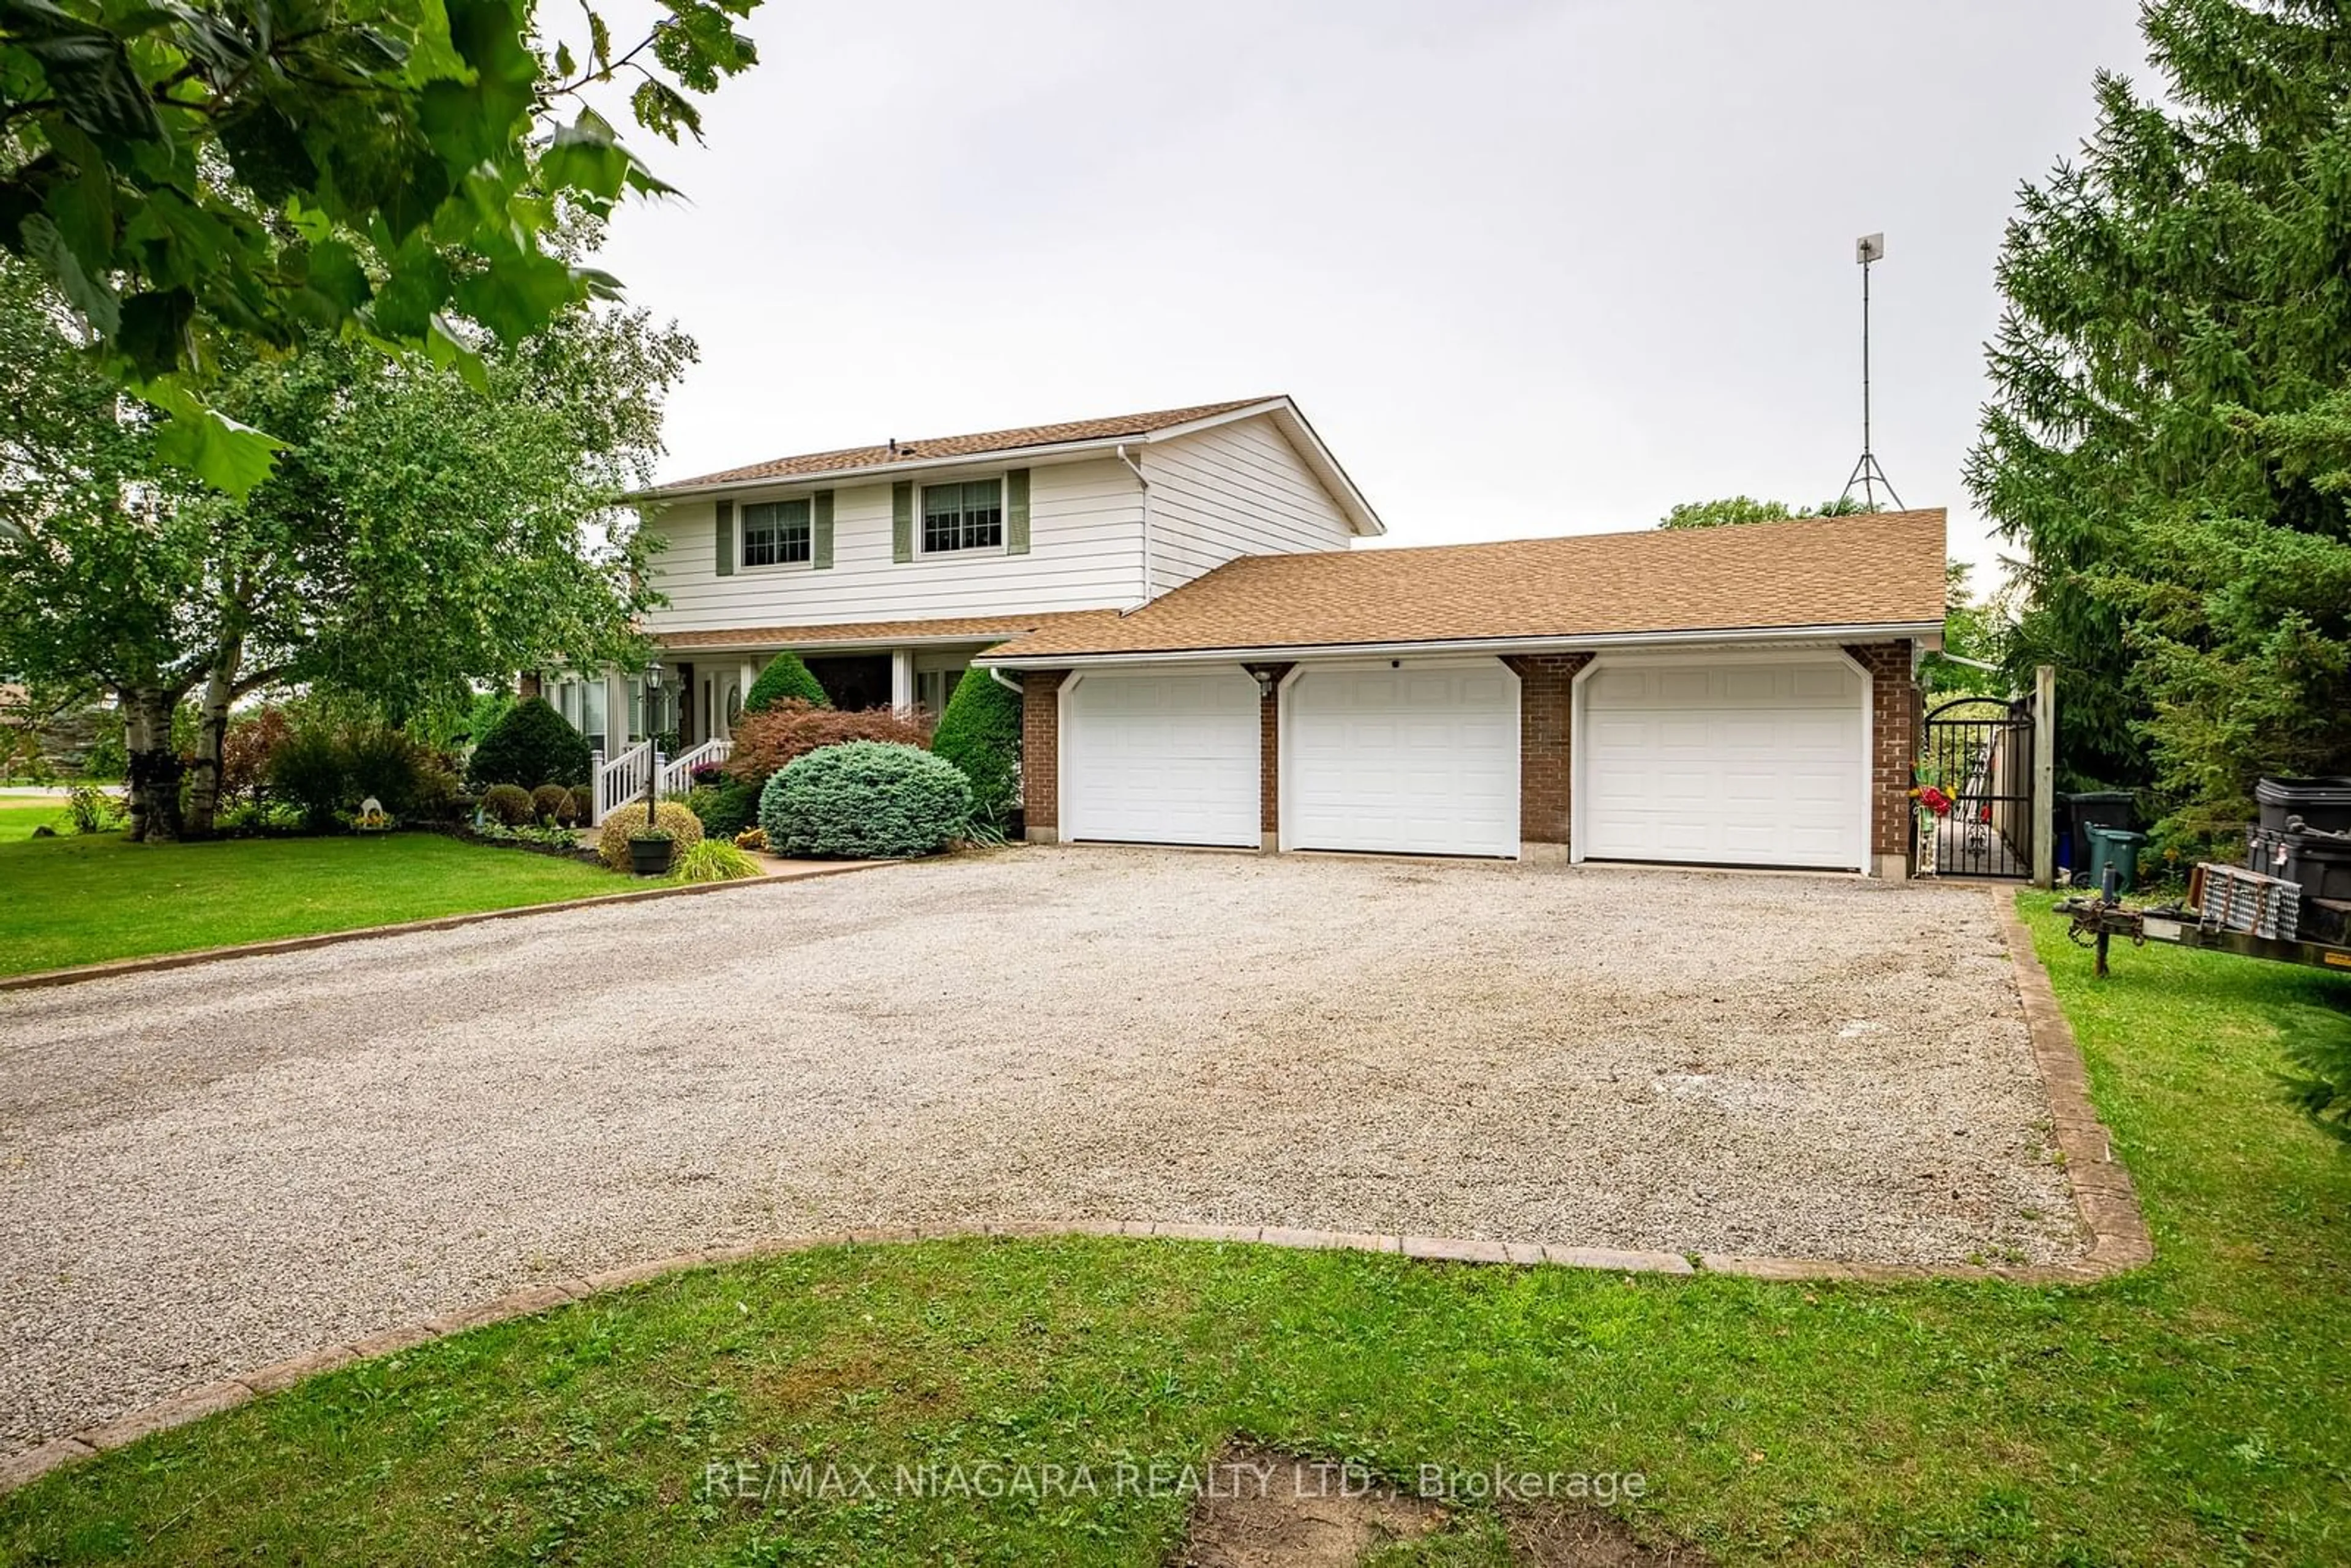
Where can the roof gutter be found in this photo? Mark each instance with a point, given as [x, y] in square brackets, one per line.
[823, 478]
[839, 645]
[1868, 632]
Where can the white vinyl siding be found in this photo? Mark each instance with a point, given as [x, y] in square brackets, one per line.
[1238, 489]
[1085, 533]
[1738, 763]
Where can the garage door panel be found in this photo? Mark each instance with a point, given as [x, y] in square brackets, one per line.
[1162, 758]
[1738, 763]
[1414, 761]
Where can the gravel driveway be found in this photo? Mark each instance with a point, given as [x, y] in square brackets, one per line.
[206, 1169]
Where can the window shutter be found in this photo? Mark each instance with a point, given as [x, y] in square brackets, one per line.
[820, 531]
[1016, 512]
[902, 520]
[725, 539]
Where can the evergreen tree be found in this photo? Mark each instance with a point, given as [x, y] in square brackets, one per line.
[785, 679]
[2167, 436]
[980, 733]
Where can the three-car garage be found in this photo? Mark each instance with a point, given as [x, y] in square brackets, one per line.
[1727, 760]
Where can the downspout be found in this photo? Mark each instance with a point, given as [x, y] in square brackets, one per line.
[1001, 679]
[1145, 485]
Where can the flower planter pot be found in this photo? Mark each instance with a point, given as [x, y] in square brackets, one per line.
[649, 857]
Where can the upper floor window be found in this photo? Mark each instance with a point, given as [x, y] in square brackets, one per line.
[777, 533]
[968, 516]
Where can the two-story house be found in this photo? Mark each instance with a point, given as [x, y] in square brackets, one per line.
[1204, 660]
[888, 568]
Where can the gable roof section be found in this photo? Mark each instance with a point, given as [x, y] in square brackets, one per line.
[1878, 570]
[1071, 437]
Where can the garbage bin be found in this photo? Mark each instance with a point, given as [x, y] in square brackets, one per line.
[2116, 847]
[2094, 809]
[2322, 804]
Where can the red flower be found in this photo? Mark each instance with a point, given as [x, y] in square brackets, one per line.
[1935, 801]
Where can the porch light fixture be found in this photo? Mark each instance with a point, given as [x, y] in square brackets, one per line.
[653, 752]
[1264, 683]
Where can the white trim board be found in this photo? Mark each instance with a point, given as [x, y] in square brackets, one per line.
[1726, 640]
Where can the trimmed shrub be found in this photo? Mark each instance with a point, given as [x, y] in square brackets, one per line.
[784, 679]
[726, 807]
[508, 805]
[866, 799]
[766, 742]
[247, 746]
[530, 745]
[551, 803]
[612, 840]
[307, 772]
[712, 859]
[980, 734]
[383, 762]
[583, 804]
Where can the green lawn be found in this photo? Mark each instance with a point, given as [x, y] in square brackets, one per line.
[20, 815]
[2193, 1412]
[81, 900]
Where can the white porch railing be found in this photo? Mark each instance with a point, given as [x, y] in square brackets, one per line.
[621, 778]
[677, 774]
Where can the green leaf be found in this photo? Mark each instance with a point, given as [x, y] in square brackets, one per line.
[155, 326]
[96, 302]
[584, 156]
[222, 452]
[445, 348]
[515, 295]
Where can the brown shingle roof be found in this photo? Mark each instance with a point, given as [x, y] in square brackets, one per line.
[976, 627]
[1881, 568]
[976, 445]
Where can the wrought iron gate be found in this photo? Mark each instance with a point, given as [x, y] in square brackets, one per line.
[1979, 754]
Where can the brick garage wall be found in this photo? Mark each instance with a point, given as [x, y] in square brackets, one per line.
[1894, 740]
[1040, 750]
[1546, 683]
[1269, 750]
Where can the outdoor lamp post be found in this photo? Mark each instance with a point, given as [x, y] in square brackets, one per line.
[652, 750]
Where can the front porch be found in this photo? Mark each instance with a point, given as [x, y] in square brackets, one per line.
[685, 719]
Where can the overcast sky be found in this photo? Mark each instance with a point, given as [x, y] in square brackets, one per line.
[1530, 268]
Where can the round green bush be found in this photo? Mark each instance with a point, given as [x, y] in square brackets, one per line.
[785, 676]
[531, 744]
[866, 800]
[980, 734]
[551, 803]
[671, 816]
[509, 804]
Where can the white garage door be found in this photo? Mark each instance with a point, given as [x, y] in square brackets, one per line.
[1161, 758]
[1418, 760]
[1733, 764]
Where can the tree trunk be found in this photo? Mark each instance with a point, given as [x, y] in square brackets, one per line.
[154, 766]
[212, 725]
